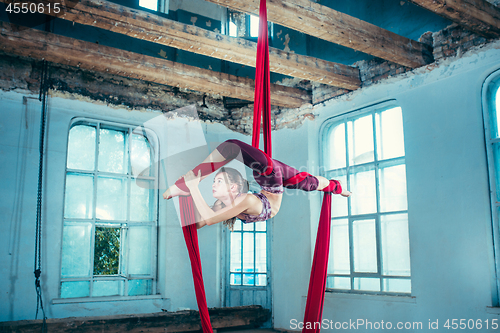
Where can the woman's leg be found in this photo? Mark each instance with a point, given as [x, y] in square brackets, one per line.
[252, 157]
[304, 181]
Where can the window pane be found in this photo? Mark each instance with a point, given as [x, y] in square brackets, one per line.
[395, 245]
[139, 250]
[81, 148]
[260, 253]
[336, 148]
[261, 280]
[248, 253]
[397, 285]
[139, 287]
[365, 246]
[339, 203]
[106, 250]
[496, 115]
[141, 201]
[237, 225]
[392, 182]
[235, 265]
[235, 279]
[73, 289]
[108, 288]
[389, 131]
[254, 26]
[248, 279]
[149, 4]
[248, 226]
[140, 156]
[339, 262]
[369, 284]
[360, 136]
[112, 151]
[233, 29]
[335, 282]
[363, 199]
[78, 201]
[496, 155]
[260, 226]
[76, 250]
[111, 198]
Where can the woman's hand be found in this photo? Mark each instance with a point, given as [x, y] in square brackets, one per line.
[174, 191]
[345, 193]
[191, 180]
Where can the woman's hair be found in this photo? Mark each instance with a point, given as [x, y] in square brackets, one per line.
[233, 177]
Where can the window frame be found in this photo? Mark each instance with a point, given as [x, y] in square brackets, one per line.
[162, 6]
[248, 26]
[491, 86]
[128, 129]
[324, 137]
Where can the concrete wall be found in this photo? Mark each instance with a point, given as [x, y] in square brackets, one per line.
[448, 202]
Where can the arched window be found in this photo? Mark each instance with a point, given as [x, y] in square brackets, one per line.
[491, 113]
[369, 248]
[110, 212]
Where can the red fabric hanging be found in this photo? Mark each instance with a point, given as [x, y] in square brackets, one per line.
[191, 237]
[262, 106]
[317, 281]
[262, 96]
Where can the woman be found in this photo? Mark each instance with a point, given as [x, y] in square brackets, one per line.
[228, 188]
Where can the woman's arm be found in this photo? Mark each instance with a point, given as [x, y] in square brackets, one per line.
[207, 215]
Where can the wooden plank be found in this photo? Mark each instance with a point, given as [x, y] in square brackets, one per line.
[320, 21]
[144, 25]
[478, 16]
[183, 321]
[64, 50]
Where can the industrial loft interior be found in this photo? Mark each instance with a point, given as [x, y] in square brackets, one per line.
[105, 105]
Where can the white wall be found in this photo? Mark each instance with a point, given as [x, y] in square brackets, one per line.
[448, 201]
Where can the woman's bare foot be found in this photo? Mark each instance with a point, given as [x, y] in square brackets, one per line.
[173, 191]
[345, 193]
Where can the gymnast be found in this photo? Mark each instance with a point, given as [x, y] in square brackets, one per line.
[230, 188]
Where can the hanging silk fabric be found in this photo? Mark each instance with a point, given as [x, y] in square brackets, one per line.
[262, 104]
[262, 108]
[262, 96]
[186, 206]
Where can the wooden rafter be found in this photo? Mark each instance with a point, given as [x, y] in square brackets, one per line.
[144, 25]
[478, 16]
[64, 50]
[322, 22]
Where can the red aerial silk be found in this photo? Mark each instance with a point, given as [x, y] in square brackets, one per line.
[262, 106]
[262, 96]
[317, 281]
[191, 237]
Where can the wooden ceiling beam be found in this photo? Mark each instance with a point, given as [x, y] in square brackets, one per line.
[147, 26]
[478, 16]
[90, 56]
[325, 23]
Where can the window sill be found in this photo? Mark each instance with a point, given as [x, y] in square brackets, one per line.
[493, 310]
[371, 297]
[106, 299]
